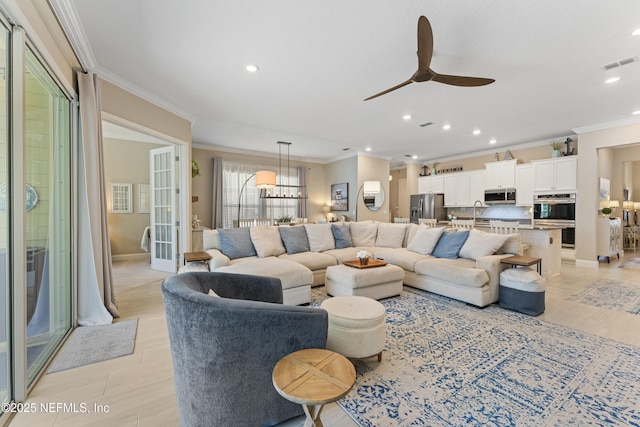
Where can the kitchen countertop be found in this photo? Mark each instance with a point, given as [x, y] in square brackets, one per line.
[524, 224]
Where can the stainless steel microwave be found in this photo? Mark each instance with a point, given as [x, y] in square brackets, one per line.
[500, 196]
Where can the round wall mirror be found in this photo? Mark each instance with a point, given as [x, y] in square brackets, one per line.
[373, 201]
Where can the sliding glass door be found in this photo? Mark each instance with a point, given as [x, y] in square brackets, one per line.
[47, 214]
[5, 296]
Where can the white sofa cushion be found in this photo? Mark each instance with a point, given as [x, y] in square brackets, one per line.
[461, 271]
[291, 274]
[320, 237]
[410, 232]
[425, 240]
[266, 239]
[390, 235]
[480, 243]
[402, 257]
[364, 233]
[312, 260]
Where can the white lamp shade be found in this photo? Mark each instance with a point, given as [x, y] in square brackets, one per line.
[636, 205]
[265, 179]
[371, 187]
[326, 209]
[627, 204]
[614, 204]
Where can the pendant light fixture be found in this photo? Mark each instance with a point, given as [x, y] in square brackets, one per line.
[282, 190]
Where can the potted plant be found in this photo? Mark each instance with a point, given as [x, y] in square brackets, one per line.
[363, 256]
[285, 219]
[556, 146]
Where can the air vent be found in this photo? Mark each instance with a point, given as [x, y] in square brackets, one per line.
[424, 125]
[620, 63]
[407, 155]
[346, 149]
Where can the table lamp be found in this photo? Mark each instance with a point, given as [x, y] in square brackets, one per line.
[627, 205]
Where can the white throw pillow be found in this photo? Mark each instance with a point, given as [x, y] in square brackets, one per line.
[364, 233]
[390, 235]
[266, 239]
[212, 293]
[210, 239]
[513, 245]
[480, 243]
[320, 237]
[425, 240]
[411, 231]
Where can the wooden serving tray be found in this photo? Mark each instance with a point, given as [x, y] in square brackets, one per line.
[372, 263]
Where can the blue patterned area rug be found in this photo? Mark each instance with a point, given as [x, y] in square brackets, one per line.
[633, 263]
[611, 294]
[449, 364]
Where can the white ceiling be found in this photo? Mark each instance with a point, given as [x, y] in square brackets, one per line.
[319, 59]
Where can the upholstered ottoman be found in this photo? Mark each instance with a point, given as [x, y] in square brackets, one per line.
[376, 282]
[522, 290]
[356, 326]
[296, 279]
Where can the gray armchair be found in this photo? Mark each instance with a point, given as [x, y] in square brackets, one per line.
[224, 349]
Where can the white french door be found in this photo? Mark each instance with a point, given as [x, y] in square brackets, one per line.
[164, 234]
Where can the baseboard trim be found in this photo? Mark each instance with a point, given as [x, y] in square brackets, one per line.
[587, 263]
[131, 257]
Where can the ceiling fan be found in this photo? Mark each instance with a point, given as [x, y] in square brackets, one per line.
[425, 73]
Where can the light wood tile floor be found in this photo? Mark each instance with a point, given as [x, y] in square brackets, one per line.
[138, 389]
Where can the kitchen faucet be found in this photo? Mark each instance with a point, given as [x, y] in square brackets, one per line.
[474, 209]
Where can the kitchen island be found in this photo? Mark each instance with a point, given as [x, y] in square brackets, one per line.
[545, 243]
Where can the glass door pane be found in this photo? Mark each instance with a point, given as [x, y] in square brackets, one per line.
[5, 300]
[48, 214]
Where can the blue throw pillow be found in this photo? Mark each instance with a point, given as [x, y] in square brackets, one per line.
[449, 244]
[342, 236]
[236, 242]
[295, 239]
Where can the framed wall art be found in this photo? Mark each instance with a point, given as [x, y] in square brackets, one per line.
[340, 197]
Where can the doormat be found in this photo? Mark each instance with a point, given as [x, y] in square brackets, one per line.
[93, 344]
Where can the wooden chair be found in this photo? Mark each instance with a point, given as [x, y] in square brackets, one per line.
[401, 220]
[508, 227]
[429, 222]
[463, 223]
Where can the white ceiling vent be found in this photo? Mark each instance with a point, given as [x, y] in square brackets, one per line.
[620, 63]
[426, 124]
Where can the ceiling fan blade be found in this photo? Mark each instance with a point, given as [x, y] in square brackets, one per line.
[389, 90]
[425, 44]
[460, 80]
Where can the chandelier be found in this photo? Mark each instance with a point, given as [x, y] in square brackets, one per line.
[283, 190]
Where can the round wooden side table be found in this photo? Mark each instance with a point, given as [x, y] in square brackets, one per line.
[312, 378]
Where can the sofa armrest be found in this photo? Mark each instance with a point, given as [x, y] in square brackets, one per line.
[218, 259]
[491, 264]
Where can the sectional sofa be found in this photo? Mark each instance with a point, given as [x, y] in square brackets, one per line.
[460, 264]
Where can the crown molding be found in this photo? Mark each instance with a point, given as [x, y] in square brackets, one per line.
[607, 125]
[115, 79]
[497, 149]
[67, 15]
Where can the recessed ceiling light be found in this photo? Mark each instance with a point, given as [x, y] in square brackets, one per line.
[414, 157]
[407, 117]
[477, 132]
[612, 80]
[446, 127]
[492, 141]
[368, 148]
[251, 68]
[636, 112]
[636, 32]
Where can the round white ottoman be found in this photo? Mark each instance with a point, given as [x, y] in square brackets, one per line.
[356, 326]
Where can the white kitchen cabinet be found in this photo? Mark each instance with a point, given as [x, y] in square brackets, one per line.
[524, 184]
[501, 174]
[430, 184]
[555, 174]
[456, 189]
[477, 186]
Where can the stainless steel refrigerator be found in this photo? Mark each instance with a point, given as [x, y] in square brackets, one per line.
[427, 206]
